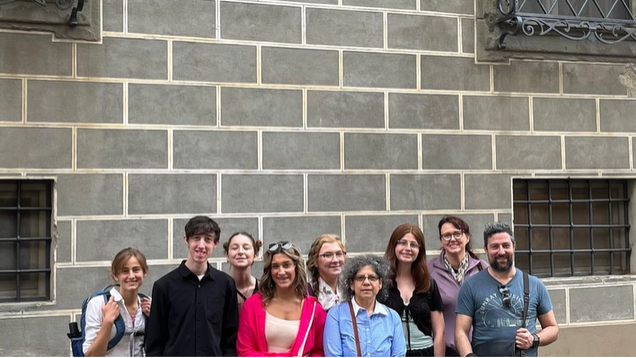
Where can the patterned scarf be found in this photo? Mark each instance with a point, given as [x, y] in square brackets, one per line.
[459, 275]
[326, 296]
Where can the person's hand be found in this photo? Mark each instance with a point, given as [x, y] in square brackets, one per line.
[145, 306]
[524, 339]
[110, 310]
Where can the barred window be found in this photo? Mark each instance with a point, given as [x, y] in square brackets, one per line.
[571, 227]
[25, 240]
[600, 9]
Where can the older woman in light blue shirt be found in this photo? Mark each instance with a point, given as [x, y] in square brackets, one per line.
[380, 334]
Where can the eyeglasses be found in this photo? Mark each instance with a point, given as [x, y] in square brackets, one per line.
[456, 235]
[330, 255]
[279, 246]
[362, 278]
[413, 245]
[505, 296]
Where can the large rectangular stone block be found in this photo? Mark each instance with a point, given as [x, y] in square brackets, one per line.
[380, 151]
[496, 113]
[336, 109]
[215, 150]
[306, 151]
[564, 114]
[260, 22]
[419, 32]
[33, 336]
[423, 111]
[597, 304]
[294, 66]
[558, 298]
[527, 76]
[75, 102]
[101, 240]
[487, 191]
[124, 58]
[113, 15]
[342, 192]
[90, 194]
[261, 107]
[301, 230]
[618, 115]
[35, 147]
[11, 105]
[63, 241]
[228, 227]
[174, 17]
[593, 79]
[596, 153]
[117, 148]
[452, 6]
[468, 35]
[387, 70]
[27, 54]
[171, 193]
[461, 151]
[215, 62]
[371, 233]
[454, 73]
[425, 191]
[344, 28]
[73, 284]
[258, 193]
[528, 152]
[327, 2]
[476, 224]
[393, 4]
[174, 105]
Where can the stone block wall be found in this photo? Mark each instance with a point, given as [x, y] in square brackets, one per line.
[289, 119]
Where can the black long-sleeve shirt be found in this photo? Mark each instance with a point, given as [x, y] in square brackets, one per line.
[191, 317]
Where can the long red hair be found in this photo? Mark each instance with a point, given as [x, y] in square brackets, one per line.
[419, 269]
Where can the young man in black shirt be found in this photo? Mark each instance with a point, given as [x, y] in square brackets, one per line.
[194, 308]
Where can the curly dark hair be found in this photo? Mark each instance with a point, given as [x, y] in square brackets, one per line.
[353, 265]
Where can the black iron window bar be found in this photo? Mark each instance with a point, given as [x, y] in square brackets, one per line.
[624, 226]
[62, 5]
[18, 271]
[613, 20]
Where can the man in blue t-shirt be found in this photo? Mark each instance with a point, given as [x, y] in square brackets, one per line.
[491, 301]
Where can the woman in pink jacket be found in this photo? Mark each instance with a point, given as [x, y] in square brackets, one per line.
[281, 320]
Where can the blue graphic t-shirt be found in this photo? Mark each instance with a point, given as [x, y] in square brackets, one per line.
[481, 299]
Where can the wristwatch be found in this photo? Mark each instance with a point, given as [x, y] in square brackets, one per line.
[536, 341]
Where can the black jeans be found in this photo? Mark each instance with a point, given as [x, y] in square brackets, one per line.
[426, 352]
[450, 352]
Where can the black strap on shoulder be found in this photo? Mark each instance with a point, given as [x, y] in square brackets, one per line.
[526, 299]
[241, 294]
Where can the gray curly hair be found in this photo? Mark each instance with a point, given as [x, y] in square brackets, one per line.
[353, 265]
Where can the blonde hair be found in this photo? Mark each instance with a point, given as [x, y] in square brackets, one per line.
[122, 258]
[312, 258]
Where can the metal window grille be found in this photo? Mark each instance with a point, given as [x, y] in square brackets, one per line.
[25, 240]
[571, 227]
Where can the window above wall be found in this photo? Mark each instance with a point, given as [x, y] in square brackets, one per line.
[25, 240]
[571, 227]
[595, 30]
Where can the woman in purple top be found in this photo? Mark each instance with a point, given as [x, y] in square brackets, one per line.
[456, 262]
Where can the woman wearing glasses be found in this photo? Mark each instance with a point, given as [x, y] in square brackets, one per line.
[456, 262]
[241, 250]
[414, 295]
[281, 319]
[362, 326]
[325, 261]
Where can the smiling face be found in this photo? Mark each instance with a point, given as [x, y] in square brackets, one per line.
[453, 246]
[501, 250]
[330, 267]
[283, 271]
[200, 247]
[131, 275]
[240, 252]
[407, 248]
[366, 283]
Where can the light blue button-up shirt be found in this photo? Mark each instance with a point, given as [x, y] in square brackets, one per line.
[380, 334]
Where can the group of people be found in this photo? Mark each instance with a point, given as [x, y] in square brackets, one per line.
[365, 305]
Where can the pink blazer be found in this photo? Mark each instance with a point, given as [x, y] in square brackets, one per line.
[251, 340]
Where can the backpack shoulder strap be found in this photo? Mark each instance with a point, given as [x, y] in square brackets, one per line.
[526, 298]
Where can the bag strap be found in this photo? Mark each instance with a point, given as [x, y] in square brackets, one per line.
[355, 329]
[526, 299]
[311, 320]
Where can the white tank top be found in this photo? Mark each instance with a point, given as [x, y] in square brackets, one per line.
[280, 333]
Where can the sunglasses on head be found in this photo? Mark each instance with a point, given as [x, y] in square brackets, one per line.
[505, 296]
[279, 246]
